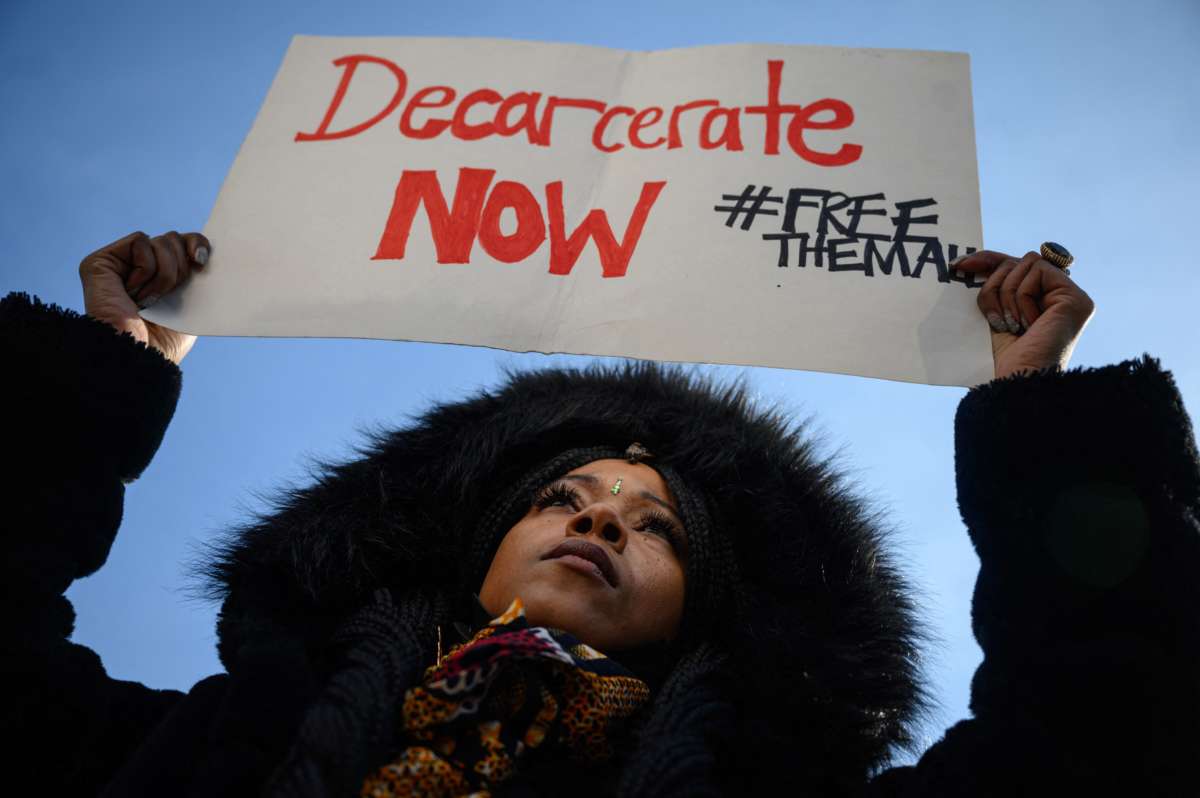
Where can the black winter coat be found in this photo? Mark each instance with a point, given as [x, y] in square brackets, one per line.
[1086, 605]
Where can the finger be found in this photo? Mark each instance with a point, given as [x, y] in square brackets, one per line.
[1060, 279]
[122, 248]
[179, 250]
[104, 294]
[198, 248]
[1059, 290]
[167, 277]
[989, 296]
[115, 258]
[1008, 291]
[145, 267]
[981, 261]
[1031, 290]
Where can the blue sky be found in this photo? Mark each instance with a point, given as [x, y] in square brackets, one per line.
[127, 115]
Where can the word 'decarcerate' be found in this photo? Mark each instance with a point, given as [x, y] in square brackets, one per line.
[720, 127]
[456, 227]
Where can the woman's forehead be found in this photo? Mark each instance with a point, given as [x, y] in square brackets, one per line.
[619, 476]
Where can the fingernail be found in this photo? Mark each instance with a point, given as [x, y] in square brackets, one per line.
[202, 255]
[996, 323]
[1013, 327]
[957, 260]
[148, 301]
[1024, 324]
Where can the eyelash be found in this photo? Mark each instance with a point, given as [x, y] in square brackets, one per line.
[556, 493]
[659, 523]
[652, 521]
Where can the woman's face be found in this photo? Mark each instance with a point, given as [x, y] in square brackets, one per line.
[600, 554]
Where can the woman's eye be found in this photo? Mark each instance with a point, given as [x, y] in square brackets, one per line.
[557, 495]
[658, 524]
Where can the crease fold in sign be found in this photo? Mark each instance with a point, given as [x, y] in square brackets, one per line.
[566, 292]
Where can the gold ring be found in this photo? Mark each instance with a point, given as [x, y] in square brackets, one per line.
[1057, 254]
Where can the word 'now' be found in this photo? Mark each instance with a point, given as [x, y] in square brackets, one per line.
[457, 226]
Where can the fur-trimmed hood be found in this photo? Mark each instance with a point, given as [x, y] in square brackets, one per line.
[824, 644]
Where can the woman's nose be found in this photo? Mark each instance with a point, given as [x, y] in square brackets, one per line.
[601, 520]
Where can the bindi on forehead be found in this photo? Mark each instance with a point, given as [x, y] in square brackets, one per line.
[593, 481]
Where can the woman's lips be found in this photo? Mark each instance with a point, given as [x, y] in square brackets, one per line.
[590, 552]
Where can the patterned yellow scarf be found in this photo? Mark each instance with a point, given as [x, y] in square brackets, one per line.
[513, 688]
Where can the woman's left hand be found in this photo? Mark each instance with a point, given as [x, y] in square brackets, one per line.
[1035, 310]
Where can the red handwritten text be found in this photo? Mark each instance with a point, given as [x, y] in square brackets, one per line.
[469, 217]
[433, 110]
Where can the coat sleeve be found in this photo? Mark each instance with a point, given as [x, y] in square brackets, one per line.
[1080, 494]
[82, 410]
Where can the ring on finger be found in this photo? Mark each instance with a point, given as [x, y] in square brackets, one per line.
[1057, 254]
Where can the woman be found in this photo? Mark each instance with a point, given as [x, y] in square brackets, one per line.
[615, 581]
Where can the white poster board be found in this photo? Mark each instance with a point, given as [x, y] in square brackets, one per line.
[762, 205]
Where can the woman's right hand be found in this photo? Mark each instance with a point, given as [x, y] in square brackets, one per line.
[136, 272]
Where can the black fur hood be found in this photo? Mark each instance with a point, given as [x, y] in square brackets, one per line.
[823, 646]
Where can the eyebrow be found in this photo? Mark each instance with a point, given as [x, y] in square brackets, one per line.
[593, 481]
[648, 495]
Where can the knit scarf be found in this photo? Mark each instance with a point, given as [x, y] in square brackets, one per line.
[491, 704]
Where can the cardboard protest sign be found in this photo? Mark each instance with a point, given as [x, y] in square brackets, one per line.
[764, 205]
